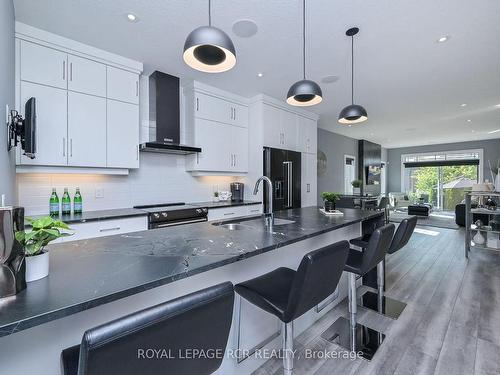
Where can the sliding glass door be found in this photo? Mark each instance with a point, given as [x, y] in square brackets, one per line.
[441, 182]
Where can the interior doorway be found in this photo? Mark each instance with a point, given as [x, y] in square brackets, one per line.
[349, 173]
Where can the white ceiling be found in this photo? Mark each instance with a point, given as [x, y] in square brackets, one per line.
[411, 86]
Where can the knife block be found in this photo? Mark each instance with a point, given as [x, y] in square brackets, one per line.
[12, 259]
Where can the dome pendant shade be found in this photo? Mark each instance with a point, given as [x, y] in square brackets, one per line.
[353, 114]
[304, 93]
[210, 50]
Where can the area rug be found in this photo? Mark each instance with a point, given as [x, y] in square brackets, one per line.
[434, 220]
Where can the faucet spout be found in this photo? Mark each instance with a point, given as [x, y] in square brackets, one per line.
[269, 214]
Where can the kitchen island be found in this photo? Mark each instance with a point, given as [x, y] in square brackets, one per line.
[97, 280]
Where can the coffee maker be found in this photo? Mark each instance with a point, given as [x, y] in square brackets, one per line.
[237, 192]
[12, 260]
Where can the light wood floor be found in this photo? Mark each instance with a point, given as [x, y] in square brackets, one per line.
[451, 325]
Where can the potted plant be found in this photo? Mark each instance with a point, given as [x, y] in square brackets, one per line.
[44, 231]
[356, 186]
[329, 199]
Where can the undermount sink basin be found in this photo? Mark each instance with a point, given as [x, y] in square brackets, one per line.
[231, 226]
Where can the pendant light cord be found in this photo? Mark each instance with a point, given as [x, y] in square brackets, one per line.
[209, 13]
[352, 69]
[304, 38]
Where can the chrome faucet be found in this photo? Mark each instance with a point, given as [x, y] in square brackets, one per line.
[269, 216]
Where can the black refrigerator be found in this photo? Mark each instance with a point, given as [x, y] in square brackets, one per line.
[283, 168]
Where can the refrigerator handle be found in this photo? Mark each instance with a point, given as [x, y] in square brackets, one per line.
[289, 179]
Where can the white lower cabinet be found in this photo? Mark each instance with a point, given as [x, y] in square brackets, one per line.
[86, 130]
[309, 180]
[103, 228]
[227, 213]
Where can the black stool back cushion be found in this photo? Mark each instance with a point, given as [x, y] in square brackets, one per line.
[403, 234]
[316, 278]
[384, 202]
[200, 320]
[379, 244]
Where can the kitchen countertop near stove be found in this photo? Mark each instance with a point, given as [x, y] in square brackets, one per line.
[222, 204]
[87, 216]
[88, 273]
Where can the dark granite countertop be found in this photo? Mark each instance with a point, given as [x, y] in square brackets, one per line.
[89, 273]
[222, 204]
[98, 215]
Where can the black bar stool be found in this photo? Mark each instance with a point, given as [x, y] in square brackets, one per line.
[288, 294]
[348, 333]
[377, 301]
[125, 346]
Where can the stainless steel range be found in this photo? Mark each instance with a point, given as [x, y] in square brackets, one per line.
[170, 214]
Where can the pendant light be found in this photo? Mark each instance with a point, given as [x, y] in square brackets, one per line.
[304, 92]
[209, 49]
[354, 113]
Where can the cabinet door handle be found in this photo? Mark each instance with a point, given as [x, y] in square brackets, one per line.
[231, 160]
[136, 88]
[64, 146]
[308, 188]
[109, 229]
[64, 70]
[137, 157]
[235, 160]
[234, 118]
[71, 71]
[71, 147]
[197, 104]
[229, 213]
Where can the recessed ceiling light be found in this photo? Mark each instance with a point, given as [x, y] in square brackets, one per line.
[350, 125]
[473, 131]
[132, 17]
[463, 105]
[469, 120]
[260, 75]
[245, 28]
[494, 131]
[443, 39]
[498, 105]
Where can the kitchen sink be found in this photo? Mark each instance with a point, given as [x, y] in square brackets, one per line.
[232, 226]
[278, 221]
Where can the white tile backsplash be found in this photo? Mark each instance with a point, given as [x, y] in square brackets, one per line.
[161, 178]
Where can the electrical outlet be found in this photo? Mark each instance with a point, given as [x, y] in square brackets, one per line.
[99, 193]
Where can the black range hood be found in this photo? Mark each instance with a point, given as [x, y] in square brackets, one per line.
[164, 110]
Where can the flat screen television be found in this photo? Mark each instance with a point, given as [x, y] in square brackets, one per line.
[28, 136]
[373, 175]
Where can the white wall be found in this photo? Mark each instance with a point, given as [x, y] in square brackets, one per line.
[6, 96]
[161, 178]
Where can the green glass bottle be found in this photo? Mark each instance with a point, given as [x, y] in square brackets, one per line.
[54, 203]
[77, 202]
[66, 203]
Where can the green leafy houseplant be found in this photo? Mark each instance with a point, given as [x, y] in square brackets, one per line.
[44, 231]
[356, 183]
[330, 198]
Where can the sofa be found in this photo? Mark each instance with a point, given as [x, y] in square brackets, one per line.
[460, 215]
[399, 200]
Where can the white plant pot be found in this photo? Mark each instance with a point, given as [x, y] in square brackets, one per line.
[37, 267]
[356, 191]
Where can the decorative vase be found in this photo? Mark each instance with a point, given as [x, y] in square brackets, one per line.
[37, 267]
[497, 182]
[356, 191]
[479, 238]
[329, 206]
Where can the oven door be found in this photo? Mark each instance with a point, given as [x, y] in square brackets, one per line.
[176, 222]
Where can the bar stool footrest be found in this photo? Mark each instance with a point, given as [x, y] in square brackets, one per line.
[362, 340]
[389, 307]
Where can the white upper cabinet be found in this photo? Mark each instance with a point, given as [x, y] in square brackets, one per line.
[308, 135]
[123, 85]
[122, 135]
[209, 107]
[51, 116]
[280, 128]
[86, 76]
[239, 143]
[86, 130]
[43, 65]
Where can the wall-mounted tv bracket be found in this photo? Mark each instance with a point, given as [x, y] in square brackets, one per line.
[15, 129]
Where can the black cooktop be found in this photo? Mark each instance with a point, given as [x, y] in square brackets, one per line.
[163, 207]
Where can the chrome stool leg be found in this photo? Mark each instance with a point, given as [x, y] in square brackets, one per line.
[287, 337]
[349, 333]
[378, 302]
